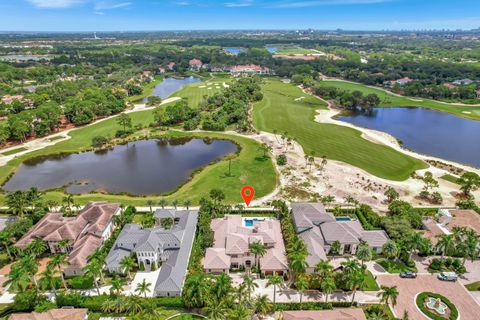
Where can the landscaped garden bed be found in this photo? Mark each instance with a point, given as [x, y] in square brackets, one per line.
[436, 307]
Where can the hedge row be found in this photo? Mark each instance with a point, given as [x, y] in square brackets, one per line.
[312, 306]
[421, 305]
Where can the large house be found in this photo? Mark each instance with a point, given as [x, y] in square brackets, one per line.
[78, 236]
[335, 314]
[319, 229]
[249, 69]
[158, 247]
[233, 236]
[195, 64]
[447, 220]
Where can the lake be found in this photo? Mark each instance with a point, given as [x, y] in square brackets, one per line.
[426, 131]
[234, 50]
[138, 168]
[169, 86]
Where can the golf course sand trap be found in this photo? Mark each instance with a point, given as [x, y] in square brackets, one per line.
[202, 86]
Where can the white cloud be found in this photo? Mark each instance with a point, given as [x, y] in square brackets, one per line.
[56, 3]
[239, 4]
[106, 5]
[183, 3]
[317, 3]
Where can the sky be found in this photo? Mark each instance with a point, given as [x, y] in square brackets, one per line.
[158, 15]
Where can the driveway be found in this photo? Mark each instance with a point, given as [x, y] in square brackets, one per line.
[150, 277]
[409, 288]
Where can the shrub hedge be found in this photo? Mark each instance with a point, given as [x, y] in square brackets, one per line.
[421, 305]
[311, 306]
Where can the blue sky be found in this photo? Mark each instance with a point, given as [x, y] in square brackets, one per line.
[131, 15]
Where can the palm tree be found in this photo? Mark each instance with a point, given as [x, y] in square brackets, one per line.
[150, 204]
[30, 266]
[249, 284]
[37, 247]
[335, 248]
[117, 285]
[259, 250]
[67, 203]
[414, 242]
[323, 270]
[162, 202]
[93, 269]
[196, 291]
[222, 286]
[350, 266]
[52, 205]
[18, 279]
[132, 305]
[446, 244]
[390, 249]
[58, 261]
[355, 281]
[127, 263]
[48, 281]
[388, 295]
[364, 253]
[175, 203]
[239, 313]
[216, 310]
[274, 281]
[261, 305]
[143, 288]
[298, 264]
[63, 245]
[17, 202]
[265, 148]
[5, 242]
[301, 284]
[230, 157]
[187, 203]
[328, 286]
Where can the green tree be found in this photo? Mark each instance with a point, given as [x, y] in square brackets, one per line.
[30, 266]
[265, 148]
[298, 263]
[446, 244]
[391, 194]
[390, 249]
[301, 284]
[388, 295]
[364, 253]
[125, 121]
[335, 248]
[162, 202]
[216, 310]
[37, 247]
[258, 249]
[143, 288]
[217, 196]
[117, 285]
[328, 287]
[17, 202]
[274, 281]
[196, 291]
[262, 306]
[249, 284]
[93, 269]
[127, 263]
[469, 181]
[187, 203]
[48, 281]
[150, 204]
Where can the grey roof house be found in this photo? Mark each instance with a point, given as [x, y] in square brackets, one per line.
[319, 229]
[168, 249]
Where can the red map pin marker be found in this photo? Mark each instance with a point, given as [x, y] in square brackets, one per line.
[247, 194]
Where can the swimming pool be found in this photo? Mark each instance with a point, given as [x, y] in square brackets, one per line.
[343, 218]
[248, 222]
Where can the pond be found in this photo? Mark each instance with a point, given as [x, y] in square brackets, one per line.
[234, 50]
[426, 131]
[138, 168]
[272, 49]
[171, 85]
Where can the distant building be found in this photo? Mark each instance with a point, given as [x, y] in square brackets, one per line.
[463, 82]
[167, 249]
[233, 236]
[449, 219]
[195, 64]
[449, 85]
[319, 229]
[248, 69]
[83, 233]
[53, 314]
[400, 82]
[8, 99]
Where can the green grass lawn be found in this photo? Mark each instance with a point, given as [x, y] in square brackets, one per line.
[370, 283]
[147, 89]
[55, 138]
[390, 100]
[395, 266]
[280, 111]
[13, 151]
[474, 286]
[195, 92]
[450, 178]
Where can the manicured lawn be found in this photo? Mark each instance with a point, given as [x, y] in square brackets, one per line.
[450, 178]
[279, 110]
[195, 92]
[55, 138]
[13, 151]
[246, 168]
[370, 283]
[396, 266]
[390, 100]
[474, 286]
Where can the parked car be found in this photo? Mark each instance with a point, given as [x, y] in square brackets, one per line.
[447, 276]
[408, 274]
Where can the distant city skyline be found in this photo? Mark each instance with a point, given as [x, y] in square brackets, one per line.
[164, 15]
